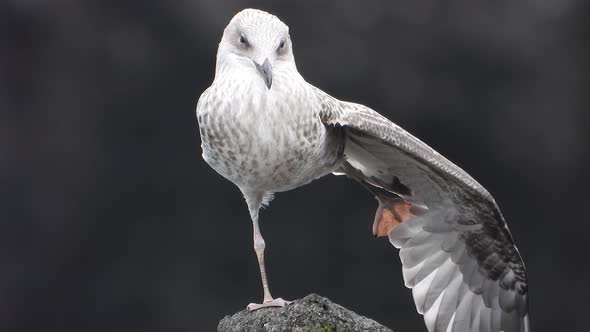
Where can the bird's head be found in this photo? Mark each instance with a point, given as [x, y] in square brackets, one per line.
[256, 41]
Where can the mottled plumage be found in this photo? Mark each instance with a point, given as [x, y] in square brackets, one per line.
[267, 130]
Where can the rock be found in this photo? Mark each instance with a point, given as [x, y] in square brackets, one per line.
[312, 313]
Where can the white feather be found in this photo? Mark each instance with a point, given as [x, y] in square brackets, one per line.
[510, 321]
[432, 313]
[400, 234]
[440, 226]
[420, 291]
[525, 323]
[451, 322]
[507, 299]
[462, 316]
[450, 241]
[417, 253]
[448, 304]
[508, 279]
[495, 319]
[478, 307]
[410, 274]
[443, 278]
[432, 263]
[520, 304]
[476, 281]
[486, 316]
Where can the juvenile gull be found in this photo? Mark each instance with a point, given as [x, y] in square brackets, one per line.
[267, 130]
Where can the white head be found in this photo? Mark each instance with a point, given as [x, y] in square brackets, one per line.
[258, 41]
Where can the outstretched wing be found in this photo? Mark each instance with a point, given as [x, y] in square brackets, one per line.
[458, 255]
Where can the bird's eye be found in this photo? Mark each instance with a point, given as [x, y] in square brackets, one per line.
[282, 44]
[243, 39]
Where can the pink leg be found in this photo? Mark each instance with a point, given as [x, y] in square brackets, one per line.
[259, 246]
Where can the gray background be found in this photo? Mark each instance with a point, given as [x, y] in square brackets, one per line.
[111, 221]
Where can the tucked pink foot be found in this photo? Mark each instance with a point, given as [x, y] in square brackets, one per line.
[278, 302]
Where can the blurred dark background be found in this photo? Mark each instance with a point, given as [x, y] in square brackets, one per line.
[111, 221]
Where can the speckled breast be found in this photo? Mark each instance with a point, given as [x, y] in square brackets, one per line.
[266, 140]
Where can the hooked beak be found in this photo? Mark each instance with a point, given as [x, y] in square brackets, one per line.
[266, 71]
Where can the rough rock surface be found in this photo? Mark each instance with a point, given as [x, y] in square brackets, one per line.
[313, 313]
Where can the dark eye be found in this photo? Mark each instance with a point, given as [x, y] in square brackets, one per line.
[282, 44]
[243, 39]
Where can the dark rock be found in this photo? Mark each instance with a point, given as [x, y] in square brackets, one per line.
[313, 313]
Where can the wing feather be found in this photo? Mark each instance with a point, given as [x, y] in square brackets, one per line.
[486, 317]
[458, 256]
[421, 290]
[476, 311]
[426, 268]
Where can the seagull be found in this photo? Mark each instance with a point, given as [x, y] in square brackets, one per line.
[267, 130]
